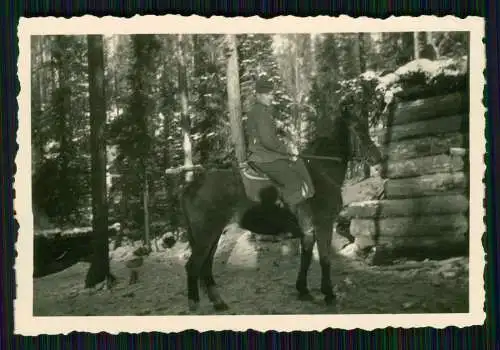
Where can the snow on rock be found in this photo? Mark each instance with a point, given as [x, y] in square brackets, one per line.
[245, 252]
[123, 253]
[350, 251]
[183, 255]
[249, 250]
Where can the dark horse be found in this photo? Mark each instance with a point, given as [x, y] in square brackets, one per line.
[215, 197]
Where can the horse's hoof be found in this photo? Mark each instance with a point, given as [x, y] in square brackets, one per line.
[193, 305]
[305, 297]
[222, 306]
[329, 299]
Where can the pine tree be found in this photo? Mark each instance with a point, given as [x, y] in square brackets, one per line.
[210, 126]
[99, 269]
[60, 130]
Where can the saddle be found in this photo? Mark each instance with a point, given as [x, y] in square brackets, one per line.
[254, 181]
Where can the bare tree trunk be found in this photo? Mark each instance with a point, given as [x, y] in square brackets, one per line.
[362, 52]
[123, 208]
[37, 49]
[416, 46]
[145, 194]
[360, 58]
[37, 92]
[297, 91]
[234, 99]
[99, 269]
[167, 183]
[356, 52]
[62, 101]
[362, 67]
[185, 120]
[312, 48]
[54, 81]
[116, 92]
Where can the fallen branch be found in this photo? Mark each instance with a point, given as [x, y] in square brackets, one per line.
[182, 169]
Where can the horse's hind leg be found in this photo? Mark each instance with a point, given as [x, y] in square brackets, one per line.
[192, 271]
[306, 244]
[200, 249]
[208, 279]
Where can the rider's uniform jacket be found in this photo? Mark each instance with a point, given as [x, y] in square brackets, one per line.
[264, 146]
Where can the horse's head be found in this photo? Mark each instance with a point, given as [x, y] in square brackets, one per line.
[360, 130]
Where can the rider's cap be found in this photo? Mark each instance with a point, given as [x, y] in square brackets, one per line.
[264, 85]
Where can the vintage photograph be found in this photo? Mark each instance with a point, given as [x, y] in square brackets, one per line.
[184, 173]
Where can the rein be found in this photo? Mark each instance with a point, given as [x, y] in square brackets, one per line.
[184, 168]
[310, 156]
[329, 178]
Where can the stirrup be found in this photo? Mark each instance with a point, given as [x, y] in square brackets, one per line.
[280, 203]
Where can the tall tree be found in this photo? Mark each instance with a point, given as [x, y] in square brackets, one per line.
[36, 95]
[296, 62]
[143, 106]
[361, 59]
[133, 130]
[184, 96]
[416, 45]
[210, 128]
[451, 44]
[99, 269]
[325, 85]
[234, 98]
[60, 129]
[396, 49]
[169, 143]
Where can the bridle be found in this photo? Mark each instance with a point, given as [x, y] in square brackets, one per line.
[364, 158]
[352, 127]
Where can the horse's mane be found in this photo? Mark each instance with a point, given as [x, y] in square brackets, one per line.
[336, 143]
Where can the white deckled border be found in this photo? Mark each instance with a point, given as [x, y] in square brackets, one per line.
[24, 321]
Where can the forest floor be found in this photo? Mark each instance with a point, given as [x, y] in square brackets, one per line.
[259, 278]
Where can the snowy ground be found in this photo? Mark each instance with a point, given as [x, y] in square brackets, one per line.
[257, 278]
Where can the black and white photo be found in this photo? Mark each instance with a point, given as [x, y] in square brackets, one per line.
[287, 174]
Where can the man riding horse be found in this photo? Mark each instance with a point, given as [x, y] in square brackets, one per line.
[219, 195]
[269, 155]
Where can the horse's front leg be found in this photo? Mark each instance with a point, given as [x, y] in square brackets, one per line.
[307, 241]
[326, 214]
[324, 241]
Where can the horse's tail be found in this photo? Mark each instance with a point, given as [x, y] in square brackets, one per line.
[185, 217]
